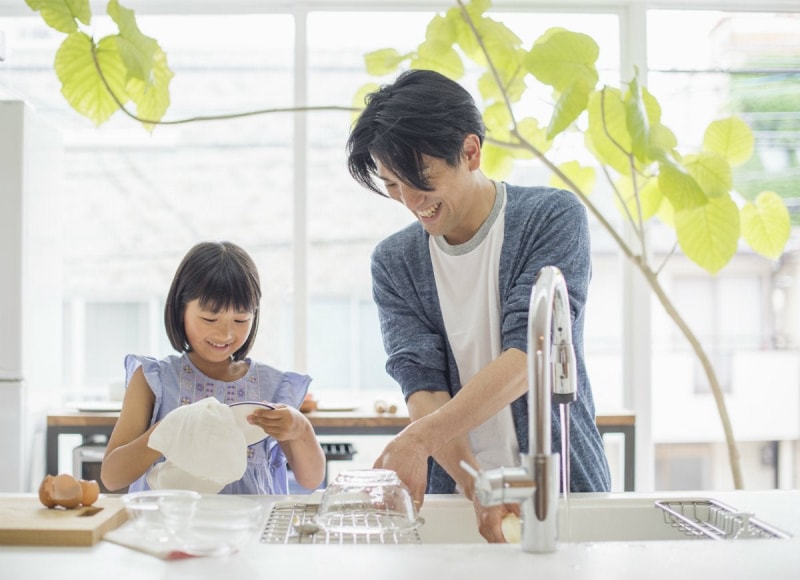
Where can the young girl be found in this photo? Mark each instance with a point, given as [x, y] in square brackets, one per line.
[211, 317]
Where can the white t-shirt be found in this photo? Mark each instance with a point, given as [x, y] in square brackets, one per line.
[467, 280]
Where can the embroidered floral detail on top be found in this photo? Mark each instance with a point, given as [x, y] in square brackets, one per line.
[230, 394]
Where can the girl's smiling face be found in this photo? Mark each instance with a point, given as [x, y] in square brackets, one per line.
[215, 336]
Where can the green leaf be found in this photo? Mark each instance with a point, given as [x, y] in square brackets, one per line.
[662, 142]
[477, 8]
[766, 224]
[440, 57]
[360, 99]
[607, 118]
[536, 136]
[513, 87]
[651, 106]
[152, 99]
[709, 234]
[649, 199]
[138, 51]
[680, 188]
[570, 105]
[496, 162]
[501, 44]
[81, 84]
[711, 172]
[465, 37]
[497, 119]
[383, 62]
[731, 138]
[637, 121]
[584, 178]
[666, 214]
[62, 14]
[443, 29]
[560, 58]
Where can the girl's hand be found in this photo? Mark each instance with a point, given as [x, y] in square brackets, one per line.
[283, 423]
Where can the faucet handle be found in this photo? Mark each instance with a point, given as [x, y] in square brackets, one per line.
[501, 485]
[565, 374]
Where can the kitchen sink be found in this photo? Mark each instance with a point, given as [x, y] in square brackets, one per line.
[609, 519]
[584, 518]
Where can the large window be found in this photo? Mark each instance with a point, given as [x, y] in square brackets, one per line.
[134, 202]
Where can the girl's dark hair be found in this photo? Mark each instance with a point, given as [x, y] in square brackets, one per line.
[421, 113]
[220, 275]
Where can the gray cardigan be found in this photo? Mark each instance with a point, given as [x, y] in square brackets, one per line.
[543, 226]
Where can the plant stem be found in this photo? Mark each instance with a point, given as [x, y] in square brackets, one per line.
[716, 389]
[639, 260]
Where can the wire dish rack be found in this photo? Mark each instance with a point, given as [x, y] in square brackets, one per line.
[706, 518]
[293, 523]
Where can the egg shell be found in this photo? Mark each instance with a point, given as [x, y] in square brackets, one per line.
[46, 492]
[67, 491]
[90, 490]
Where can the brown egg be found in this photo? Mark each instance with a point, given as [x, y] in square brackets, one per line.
[67, 491]
[90, 490]
[46, 492]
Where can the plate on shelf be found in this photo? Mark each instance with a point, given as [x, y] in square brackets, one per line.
[96, 406]
[336, 407]
[252, 433]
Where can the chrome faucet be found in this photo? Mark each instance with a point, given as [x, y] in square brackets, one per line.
[551, 377]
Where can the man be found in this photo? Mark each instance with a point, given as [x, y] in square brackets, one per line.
[453, 292]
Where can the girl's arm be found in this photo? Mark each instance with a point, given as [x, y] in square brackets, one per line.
[127, 455]
[297, 439]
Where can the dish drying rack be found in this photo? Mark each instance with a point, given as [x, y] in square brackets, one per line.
[294, 523]
[706, 518]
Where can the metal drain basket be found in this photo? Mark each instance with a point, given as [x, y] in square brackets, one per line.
[293, 523]
[705, 518]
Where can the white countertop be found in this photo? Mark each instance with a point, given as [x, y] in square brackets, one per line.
[773, 559]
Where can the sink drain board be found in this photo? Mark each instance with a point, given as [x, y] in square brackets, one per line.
[293, 523]
[702, 518]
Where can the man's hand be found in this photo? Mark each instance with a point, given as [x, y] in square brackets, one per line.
[406, 455]
[490, 520]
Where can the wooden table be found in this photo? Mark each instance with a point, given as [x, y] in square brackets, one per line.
[624, 423]
[352, 423]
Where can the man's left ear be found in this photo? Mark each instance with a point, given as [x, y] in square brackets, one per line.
[472, 151]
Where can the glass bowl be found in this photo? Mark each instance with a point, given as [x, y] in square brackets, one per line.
[161, 514]
[367, 501]
[145, 507]
[222, 525]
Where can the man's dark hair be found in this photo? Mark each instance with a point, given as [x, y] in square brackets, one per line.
[421, 113]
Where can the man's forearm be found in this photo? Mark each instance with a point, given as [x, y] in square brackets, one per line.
[450, 455]
[496, 386]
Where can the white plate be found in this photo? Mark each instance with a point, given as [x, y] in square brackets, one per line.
[96, 406]
[252, 433]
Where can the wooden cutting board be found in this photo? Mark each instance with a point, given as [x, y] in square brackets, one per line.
[24, 521]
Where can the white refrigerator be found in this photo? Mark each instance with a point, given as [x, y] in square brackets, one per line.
[31, 178]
